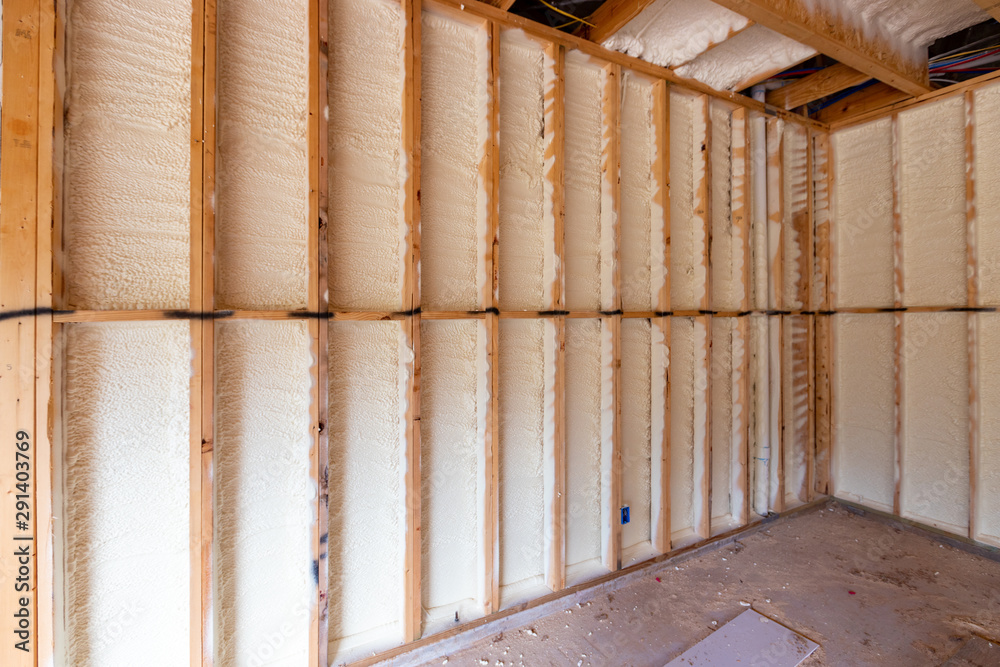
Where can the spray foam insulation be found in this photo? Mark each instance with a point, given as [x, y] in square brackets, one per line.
[760, 444]
[454, 70]
[642, 219]
[370, 364]
[861, 200]
[265, 503]
[725, 438]
[589, 208]
[128, 155]
[636, 416]
[688, 130]
[454, 398]
[752, 55]
[864, 419]
[527, 222]
[795, 207]
[987, 177]
[935, 475]
[672, 32]
[126, 490]
[368, 169]
[585, 442]
[728, 191]
[932, 203]
[523, 401]
[688, 439]
[821, 212]
[757, 180]
[262, 221]
[988, 483]
[796, 375]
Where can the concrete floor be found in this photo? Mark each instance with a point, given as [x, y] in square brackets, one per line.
[868, 592]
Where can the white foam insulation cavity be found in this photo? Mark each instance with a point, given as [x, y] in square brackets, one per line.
[760, 433]
[589, 208]
[906, 27]
[688, 437]
[265, 503]
[862, 204]
[125, 485]
[988, 483]
[932, 203]
[636, 434]
[127, 155]
[821, 214]
[673, 32]
[454, 398]
[935, 475]
[795, 396]
[757, 182]
[642, 241]
[688, 130]
[585, 441]
[753, 55]
[987, 176]
[864, 420]
[454, 70]
[370, 364]
[729, 425]
[728, 193]
[368, 169]
[527, 222]
[262, 182]
[797, 251]
[525, 397]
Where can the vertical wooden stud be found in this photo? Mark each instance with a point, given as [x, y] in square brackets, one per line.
[972, 245]
[741, 192]
[703, 209]
[897, 235]
[775, 209]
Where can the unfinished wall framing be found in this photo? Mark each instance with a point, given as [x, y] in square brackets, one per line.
[584, 309]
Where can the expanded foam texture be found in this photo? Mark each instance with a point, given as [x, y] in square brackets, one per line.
[589, 214]
[672, 32]
[757, 184]
[688, 131]
[126, 490]
[454, 98]
[687, 423]
[265, 502]
[935, 475]
[796, 261]
[988, 482]
[864, 455]
[796, 376]
[526, 218]
[821, 212]
[725, 439]
[932, 203]
[454, 398]
[368, 170]
[369, 366]
[584, 444]
[746, 57]
[522, 404]
[127, 178]
[262, 183]
[987, 178]
[636, 431]
[861, 203]
[642, 220]
[727, 248]
[761, 451]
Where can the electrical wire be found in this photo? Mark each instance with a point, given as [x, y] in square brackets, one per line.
[566, 14]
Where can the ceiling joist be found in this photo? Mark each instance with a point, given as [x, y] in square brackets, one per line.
[991, 6]
[829, 35]
[827, 81]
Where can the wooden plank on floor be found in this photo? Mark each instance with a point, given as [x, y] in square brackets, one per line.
[411, 300]
[661, 198]
[554, 132]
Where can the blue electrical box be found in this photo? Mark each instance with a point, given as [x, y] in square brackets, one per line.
[625, 518]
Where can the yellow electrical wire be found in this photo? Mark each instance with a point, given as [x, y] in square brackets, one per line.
[966, 53]
[566, 14]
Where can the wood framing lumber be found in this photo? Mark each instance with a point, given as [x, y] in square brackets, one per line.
[612, 16]
[827, 81]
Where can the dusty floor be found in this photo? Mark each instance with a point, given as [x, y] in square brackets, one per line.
[867, 592]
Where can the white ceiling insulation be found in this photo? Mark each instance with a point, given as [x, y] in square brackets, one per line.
[672, 33]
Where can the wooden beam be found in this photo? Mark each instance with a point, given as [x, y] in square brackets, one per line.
[898, 358]
[826, 32]
[865, 101]
[411, 327]
[554, 133]
[661, 197]
[820, 300]
[992, 7]
[703, 209]
[740, 214]
[972, 254]
[612, 16]
[827, 81]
